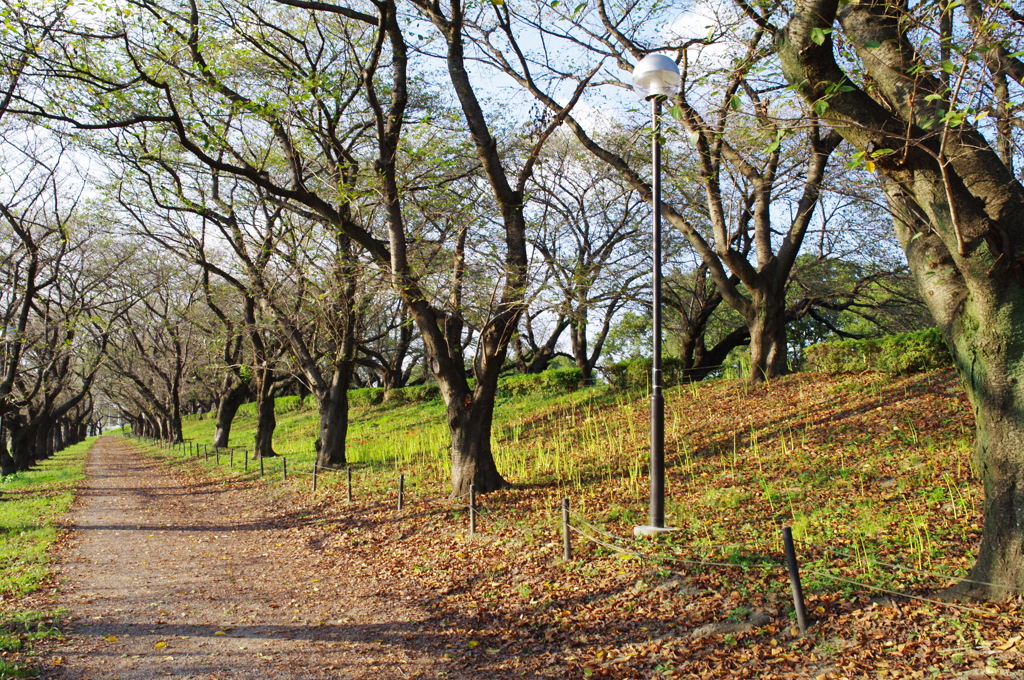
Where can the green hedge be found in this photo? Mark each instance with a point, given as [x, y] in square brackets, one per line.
[901, 353]
[282, 405]
[413, 395]
[636, 374]
[366, 396]
[561, 380]
[564, 380]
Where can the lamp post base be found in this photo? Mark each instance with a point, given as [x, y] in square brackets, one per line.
[641, 532]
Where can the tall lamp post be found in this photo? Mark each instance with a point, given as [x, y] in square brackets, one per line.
[656, 78]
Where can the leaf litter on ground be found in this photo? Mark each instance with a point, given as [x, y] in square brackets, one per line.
[871, 471]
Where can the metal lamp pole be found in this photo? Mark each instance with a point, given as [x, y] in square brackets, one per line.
[655, 78]
[657, 399]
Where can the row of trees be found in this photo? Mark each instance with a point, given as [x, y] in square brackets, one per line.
[308, 196]
[325, 228]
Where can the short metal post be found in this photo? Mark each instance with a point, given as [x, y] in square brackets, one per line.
[206, 452]
[315, 468]
[472, 509]
[401, 490]
[566, 539]
[794, 579]
[261, 466]
[348, 488]
[231, 458]
[284, 468]
[246, 463]
[216, 453]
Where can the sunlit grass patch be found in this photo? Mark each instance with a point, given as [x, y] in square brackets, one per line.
[30, 505]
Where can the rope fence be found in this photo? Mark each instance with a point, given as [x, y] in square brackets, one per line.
[911, 570]
[576, 525]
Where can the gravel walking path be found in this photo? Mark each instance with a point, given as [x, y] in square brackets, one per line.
[187, 578]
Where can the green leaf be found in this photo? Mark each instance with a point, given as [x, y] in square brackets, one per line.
[818, 35]
[820, 107]
[735, 103]
[872, 44]
[948, 66]
[676, 112]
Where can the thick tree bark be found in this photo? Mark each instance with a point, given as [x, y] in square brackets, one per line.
[7, 464]
[333, 431]
[472, 459]
[959, 214]
[767, 327]
[22, 443]
[227, 407]
[266, 418]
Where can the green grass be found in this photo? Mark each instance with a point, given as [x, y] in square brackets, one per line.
[30, 505]
[412, 439]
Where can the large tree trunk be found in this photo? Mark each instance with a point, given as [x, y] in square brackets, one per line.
[174, 428]
[767, 327]
[331, 442]
[227, 406]
[23, 444]
[959, 214]
[980, 315]
[578, 340]
[266, 419]
[472, 458]
[997, 450]
[59, 432]
[7, 465]
[44, 440]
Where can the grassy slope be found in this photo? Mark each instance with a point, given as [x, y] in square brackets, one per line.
[862, 461]
[30, 504]
[868, 469]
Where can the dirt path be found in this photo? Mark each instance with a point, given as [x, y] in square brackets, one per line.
[189, 579]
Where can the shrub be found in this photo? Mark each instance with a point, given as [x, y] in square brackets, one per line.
[561, 380]
[284, 405]
[413, 395]
[366, 396]
[901, 353]
[636, 374]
